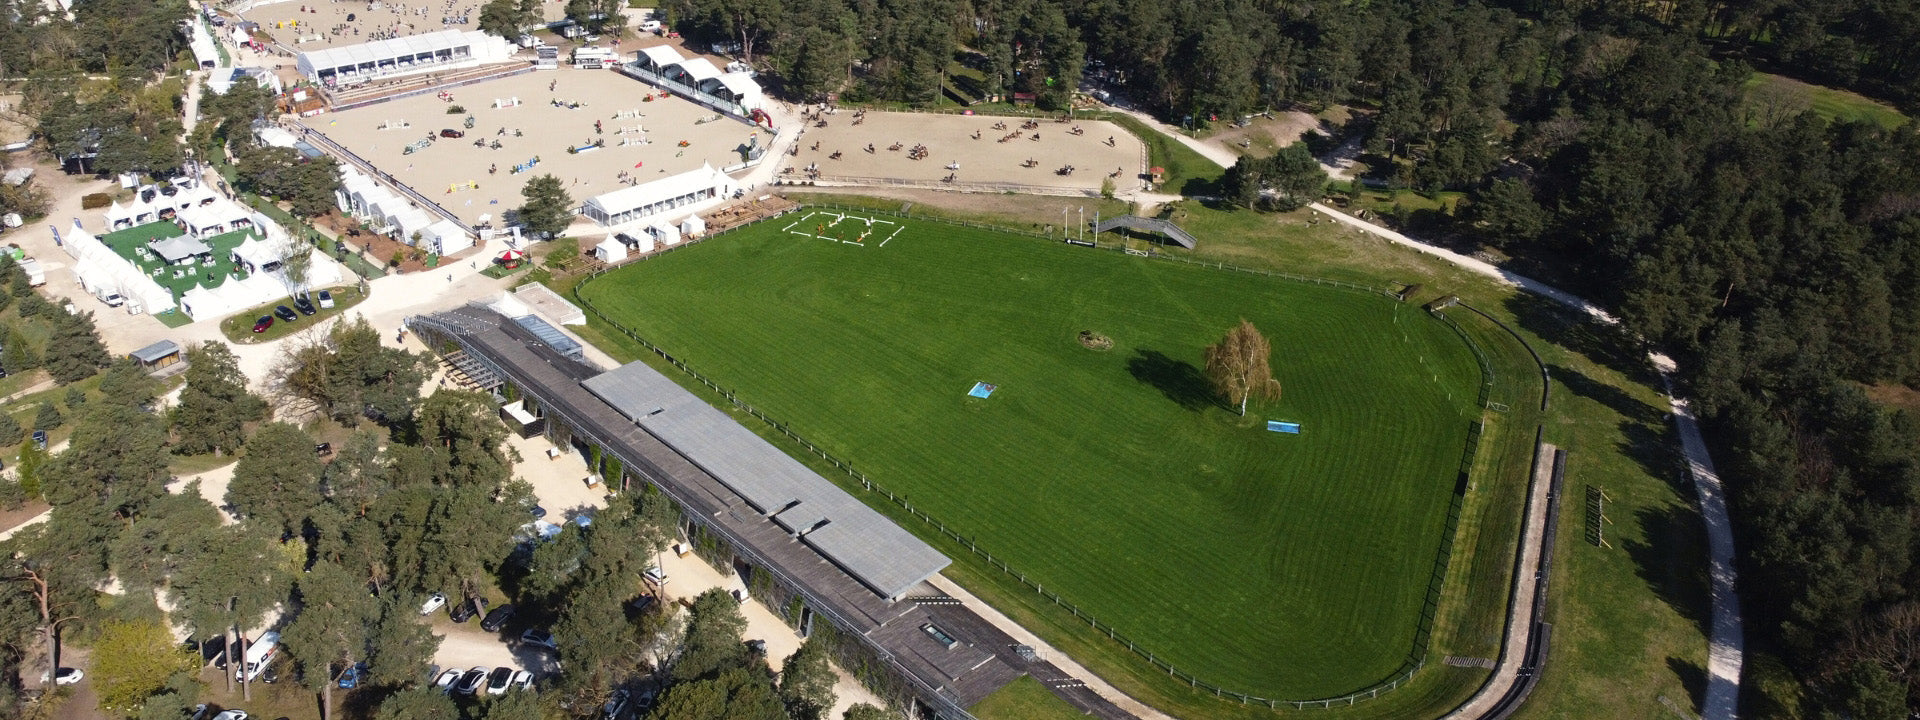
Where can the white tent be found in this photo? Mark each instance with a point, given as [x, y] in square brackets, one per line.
[428, 52]
[610, 251]
[657, 58]
[639, 202]
[665, 232]
[101, 269]
[445, 238]
[693, 226]
[693, 71]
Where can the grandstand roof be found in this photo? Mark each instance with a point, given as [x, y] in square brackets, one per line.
[861, 541]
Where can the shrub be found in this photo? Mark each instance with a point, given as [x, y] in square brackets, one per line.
[48, 417]
[455, 109]
[95, 200]
[10, 430]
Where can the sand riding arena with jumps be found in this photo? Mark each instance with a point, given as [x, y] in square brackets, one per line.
[969, 152]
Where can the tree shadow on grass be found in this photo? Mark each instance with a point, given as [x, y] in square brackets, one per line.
[1603, 344]
[1693, 678]
[1658, 453]
[1179, 380]
[1670, 556]
[1613, 397]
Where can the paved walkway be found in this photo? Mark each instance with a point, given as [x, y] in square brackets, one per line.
[1526, 586]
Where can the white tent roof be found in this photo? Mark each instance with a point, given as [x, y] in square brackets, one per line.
[700, 69]
[383, 50]
[175, 249]
[259, 252]
[662, 55]
[276, 137]
[671, 186]
[116, 213]
[741, 84]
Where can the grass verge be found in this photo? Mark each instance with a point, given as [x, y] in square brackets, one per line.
[239, 327]
[1182, 164]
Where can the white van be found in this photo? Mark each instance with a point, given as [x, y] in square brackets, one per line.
[259, 653]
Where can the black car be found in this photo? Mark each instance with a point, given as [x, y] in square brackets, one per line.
[304, 305]
[284, 313]
[465, 610]
[495, 619]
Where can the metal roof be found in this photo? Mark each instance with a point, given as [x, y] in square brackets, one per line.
[156, 351]
[551, 336]
[880, 554]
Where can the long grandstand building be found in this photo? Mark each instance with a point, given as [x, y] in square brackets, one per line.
[808, 550]
[439, 51]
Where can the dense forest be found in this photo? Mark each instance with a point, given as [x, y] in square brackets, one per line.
[1610, 146]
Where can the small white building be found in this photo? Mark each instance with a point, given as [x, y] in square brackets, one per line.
[222, 80]
[693, 226]
[594, 58]
[390, 214]
[643, 201]
[398, 57]
[610, 251]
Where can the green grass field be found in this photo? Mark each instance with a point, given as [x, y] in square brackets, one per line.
[1831, 103]
[1286, 566]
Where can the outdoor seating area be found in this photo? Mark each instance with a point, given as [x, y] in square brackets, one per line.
[142, 246]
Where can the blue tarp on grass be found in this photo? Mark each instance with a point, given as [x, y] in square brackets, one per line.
[1290, 428]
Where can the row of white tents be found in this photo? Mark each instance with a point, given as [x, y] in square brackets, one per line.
[389, 214]
[616, 247]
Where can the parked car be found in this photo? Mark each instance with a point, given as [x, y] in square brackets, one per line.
[305, 305]
[451, 133]
[284, 313]
[538, 638]
[261, 324]
[538, 512]
[471, 682]
[352, 677]
[522, 680]
[497, 618]
[199, 712]
[445, 682]
[657, 576]
[231, 715]
[65, 676]
[615, 707]
[326, 298]
[498, 682]
[433, 603]
[466, 609]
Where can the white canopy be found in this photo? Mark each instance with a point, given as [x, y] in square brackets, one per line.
[175, 249]
[610, 250]
[660, 55]
[698, 70]
[445, 238]
[693, 226]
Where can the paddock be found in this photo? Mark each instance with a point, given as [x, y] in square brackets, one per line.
[471, 180]
[983, 161]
